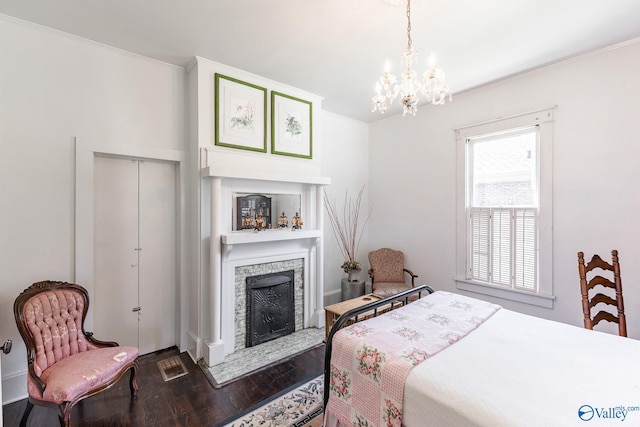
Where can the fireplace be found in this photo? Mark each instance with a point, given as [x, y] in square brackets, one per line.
[293, 270]
[236, 254]
[210, 272]
[270, 307]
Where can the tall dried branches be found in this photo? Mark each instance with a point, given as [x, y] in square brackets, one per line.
[346, 227]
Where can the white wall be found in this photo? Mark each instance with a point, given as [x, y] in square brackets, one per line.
[345, 145]
[596, 180]
[54, 87]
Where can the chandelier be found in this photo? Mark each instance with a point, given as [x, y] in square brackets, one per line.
[433, 86]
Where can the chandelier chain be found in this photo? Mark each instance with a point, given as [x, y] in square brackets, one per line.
[409, 41]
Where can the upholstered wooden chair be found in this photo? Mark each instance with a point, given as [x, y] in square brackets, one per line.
[591, 300]
[65, 363]
[387, 272]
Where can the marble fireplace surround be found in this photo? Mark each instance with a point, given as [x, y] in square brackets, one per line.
[232, 249]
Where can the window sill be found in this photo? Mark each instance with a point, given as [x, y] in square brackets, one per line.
[524, 297]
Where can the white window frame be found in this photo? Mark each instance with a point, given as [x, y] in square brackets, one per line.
[544, 120]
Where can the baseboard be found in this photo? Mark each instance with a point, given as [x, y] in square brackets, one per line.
[194, 349]
[14, 387]
[332, 297]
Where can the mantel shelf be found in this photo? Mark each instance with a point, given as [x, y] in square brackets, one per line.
[243, 237]
[275, 177]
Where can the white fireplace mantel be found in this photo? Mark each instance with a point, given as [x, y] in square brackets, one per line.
[242, 237]
[229, 248]
[265, 176]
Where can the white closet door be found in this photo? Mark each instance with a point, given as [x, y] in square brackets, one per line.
[115, 254]
[135, 253]
[157, 256]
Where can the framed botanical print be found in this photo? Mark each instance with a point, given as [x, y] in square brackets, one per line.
[240, 114]
[291, 126]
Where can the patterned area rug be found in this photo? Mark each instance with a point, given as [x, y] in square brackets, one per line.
[300, 405]
[252, 359]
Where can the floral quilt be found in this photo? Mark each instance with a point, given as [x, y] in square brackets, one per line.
[371, 360]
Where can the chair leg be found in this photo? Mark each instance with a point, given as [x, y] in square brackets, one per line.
[27, 411]
[133, 381]
[65, 414]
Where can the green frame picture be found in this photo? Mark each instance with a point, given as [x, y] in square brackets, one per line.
[240, 114]
[291, 126]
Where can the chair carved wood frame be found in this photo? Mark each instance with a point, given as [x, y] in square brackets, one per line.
[597, 280]
[387, 272]
[65, 363]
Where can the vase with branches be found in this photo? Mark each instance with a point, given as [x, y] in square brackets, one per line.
[347, 229]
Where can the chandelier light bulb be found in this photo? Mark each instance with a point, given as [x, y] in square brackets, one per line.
[432, 86]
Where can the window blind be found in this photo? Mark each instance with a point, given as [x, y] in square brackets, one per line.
[503, 246]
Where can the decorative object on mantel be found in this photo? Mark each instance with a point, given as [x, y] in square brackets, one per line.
[283, 221]
[297, 222]
[240, 114]
[291, 126]
[434, 87]
[259, 224]
[253, 212]
[347, 230]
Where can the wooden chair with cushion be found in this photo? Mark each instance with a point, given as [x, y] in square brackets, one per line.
[388, 272]
[65, 363]
[615, 294]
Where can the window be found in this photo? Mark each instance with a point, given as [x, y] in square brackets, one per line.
[504, 208]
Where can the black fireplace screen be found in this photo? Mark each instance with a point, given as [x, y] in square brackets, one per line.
[270, 307]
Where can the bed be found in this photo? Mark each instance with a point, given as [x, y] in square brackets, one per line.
[502, 369]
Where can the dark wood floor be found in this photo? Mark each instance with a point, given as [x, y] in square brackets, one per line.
[189, 400]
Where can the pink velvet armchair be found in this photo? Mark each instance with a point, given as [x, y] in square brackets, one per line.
[388, 272]
[65, 363]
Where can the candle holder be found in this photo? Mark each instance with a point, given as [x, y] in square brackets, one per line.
[297, 222]
[283, 221]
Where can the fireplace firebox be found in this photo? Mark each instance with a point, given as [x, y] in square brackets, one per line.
[270, 307]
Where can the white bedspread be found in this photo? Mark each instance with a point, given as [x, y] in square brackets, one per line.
[519, 370]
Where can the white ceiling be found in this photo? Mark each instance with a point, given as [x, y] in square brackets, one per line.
[337, 48]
